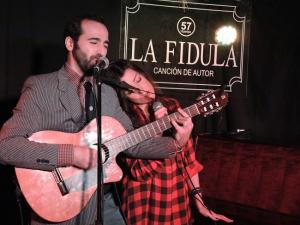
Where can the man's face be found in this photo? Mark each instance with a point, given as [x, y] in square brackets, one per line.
[91, 45]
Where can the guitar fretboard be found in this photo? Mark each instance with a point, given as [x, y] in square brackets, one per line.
[207, 104]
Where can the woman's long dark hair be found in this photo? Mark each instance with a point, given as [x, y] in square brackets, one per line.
[115, 71]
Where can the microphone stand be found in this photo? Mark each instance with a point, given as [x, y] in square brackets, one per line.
[98, 80]
[100, 195]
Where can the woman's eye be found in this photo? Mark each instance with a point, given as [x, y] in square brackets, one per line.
[138, 79]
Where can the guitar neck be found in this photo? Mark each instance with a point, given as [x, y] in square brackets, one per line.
[150, 130]
[206, 105]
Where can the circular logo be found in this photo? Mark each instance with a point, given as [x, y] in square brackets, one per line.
[186, 26]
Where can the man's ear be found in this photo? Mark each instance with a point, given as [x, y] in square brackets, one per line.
[69, 43]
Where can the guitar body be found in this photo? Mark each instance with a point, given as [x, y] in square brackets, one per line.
[40, 188]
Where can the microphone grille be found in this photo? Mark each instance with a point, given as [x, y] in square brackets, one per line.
[105, 61]
[156, 105]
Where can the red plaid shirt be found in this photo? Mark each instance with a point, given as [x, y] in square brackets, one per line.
[156, 192]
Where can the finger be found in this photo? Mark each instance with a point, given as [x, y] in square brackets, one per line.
[216, 217]
[161, 112]
[225, 219]
[175, 124]
[185, 123]
[162, 108]
[212, 215]
[180, 123]
[183, 118]
[182, 112]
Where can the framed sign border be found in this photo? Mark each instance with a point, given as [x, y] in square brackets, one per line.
[191, 6]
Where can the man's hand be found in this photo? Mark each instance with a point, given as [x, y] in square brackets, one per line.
[183, 125]
[85, 157]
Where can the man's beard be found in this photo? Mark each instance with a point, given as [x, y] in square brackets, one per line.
[82, 60]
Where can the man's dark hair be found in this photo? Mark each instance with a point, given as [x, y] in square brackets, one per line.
[73, 27]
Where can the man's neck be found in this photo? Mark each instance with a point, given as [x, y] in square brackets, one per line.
[73, 65]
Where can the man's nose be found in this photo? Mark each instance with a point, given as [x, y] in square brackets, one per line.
[102, 51]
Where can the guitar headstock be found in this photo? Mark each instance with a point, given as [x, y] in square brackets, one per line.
[211, 102]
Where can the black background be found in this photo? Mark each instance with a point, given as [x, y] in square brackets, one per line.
[31, 43]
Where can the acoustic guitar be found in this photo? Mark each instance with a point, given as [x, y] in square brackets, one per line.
[61, 194]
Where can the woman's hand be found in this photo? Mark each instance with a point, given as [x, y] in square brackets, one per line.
[203, 210]
[183, 125]
[161, 112]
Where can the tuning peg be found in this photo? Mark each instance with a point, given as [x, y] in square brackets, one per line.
[200, 97]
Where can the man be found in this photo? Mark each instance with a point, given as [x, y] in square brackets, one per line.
[55, 101]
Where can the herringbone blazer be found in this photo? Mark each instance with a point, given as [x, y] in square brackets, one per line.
[50, 102]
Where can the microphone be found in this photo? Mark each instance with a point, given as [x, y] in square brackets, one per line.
[113, 82]
[157, 105]
[130, 88]
[102, 63]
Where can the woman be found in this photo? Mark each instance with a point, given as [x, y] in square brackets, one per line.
[156, 191]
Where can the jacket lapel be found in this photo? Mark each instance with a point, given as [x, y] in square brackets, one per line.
[69, 97]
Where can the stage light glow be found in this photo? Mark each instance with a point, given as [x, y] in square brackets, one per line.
[226, 35]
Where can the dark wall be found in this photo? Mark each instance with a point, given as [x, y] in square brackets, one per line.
[274, 72]
[31, 42]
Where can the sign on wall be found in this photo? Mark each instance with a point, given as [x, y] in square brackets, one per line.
[176, 42]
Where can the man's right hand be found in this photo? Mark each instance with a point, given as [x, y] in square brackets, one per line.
[85, 157]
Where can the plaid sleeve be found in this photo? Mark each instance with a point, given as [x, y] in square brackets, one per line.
[191, 163]
[65, 155]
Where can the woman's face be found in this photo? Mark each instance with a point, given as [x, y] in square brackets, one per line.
[136, 79]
